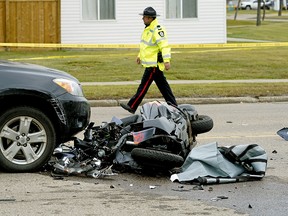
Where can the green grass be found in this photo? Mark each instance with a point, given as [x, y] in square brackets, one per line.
[187, 64]
[247, 29]
[109, 65]
[271, 28]
[192, 90]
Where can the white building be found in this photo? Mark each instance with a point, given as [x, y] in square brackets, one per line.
[119, 22]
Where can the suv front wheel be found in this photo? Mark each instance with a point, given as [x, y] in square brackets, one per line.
[27, 139]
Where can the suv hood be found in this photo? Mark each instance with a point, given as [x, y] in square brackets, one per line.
[19, 67]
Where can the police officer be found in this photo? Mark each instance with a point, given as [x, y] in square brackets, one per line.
[154, 55]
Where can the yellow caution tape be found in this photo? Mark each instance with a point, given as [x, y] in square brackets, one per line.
[53, 45]
[227, 45]
[230, 45]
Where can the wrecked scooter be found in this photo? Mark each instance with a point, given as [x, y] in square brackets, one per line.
[161, 137]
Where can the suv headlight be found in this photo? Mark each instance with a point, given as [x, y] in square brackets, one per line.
[70, 86]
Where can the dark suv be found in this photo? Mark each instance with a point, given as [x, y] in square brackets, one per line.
[39, 108]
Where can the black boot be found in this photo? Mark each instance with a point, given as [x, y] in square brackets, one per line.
[127, 107]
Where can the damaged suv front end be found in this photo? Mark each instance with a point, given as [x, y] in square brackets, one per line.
[40, 108]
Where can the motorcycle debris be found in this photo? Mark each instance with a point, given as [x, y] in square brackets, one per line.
[219, 198]
[125, 143]
[58, 177]
[107, 171]
[198, 187]
[7, 200]
[182, 190]
[283, 133]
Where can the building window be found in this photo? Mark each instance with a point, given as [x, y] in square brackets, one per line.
[181, 9]
[98, 9]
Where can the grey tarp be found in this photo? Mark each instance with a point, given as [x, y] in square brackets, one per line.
[209, 164]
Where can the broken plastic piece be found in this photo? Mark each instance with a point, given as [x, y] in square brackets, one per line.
[107, 171]
[283, 133]
[219, 198]
[7, 199]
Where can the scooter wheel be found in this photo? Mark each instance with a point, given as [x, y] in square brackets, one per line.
[202, 125]
[154, 158]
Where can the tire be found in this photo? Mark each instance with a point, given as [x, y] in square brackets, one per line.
[27, 139]
[248, 7]
[154, 158]
[202, 125]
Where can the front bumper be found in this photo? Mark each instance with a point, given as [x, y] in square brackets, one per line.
[74, 115]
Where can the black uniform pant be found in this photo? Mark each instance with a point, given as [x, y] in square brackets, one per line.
[152, 74]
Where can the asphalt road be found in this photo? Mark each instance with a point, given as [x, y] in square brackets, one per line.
[130, 194]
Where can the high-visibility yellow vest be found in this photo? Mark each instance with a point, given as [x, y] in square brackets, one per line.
[154, 40]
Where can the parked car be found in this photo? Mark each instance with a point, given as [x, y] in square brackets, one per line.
[269, 3]
[39, 108]
[253, 4]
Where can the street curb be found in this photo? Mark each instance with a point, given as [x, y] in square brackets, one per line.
[220, 100]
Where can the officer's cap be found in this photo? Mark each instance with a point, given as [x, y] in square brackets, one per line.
[150, 12]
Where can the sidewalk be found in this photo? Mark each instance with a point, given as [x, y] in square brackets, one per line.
[218, 100]
[268, 17]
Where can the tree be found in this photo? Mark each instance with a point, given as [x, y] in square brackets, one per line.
[258, 21]
[237, 8]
